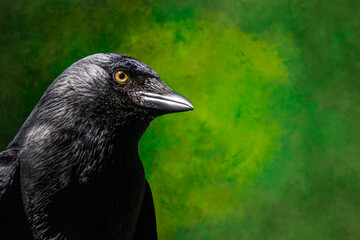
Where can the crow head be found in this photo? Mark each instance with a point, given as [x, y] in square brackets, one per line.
[141, 85]
[108, 90]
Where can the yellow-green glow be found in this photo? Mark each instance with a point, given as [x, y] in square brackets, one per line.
[271, 150]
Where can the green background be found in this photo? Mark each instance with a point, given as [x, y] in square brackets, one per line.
[271, 150]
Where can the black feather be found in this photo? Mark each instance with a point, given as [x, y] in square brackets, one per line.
[73, 169]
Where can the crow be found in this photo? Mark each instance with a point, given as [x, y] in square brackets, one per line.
[73, 170]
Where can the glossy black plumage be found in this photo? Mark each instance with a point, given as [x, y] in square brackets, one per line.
[73, 169]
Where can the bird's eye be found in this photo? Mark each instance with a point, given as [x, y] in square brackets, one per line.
[121, 76]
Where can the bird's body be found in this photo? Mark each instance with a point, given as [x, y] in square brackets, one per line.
[73, 169]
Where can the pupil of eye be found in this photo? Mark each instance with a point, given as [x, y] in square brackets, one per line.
[122, 76]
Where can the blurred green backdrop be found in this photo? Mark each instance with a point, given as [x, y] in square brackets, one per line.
[272, 148]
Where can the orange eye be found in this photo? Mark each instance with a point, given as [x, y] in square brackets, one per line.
[121, 76]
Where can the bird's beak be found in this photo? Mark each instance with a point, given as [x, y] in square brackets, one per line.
[169, 102]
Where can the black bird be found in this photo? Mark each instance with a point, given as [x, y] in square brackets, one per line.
[73, 170]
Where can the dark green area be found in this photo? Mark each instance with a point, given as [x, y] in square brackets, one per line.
[272, 148]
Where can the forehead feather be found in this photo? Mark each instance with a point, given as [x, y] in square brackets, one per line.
[112, 61]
